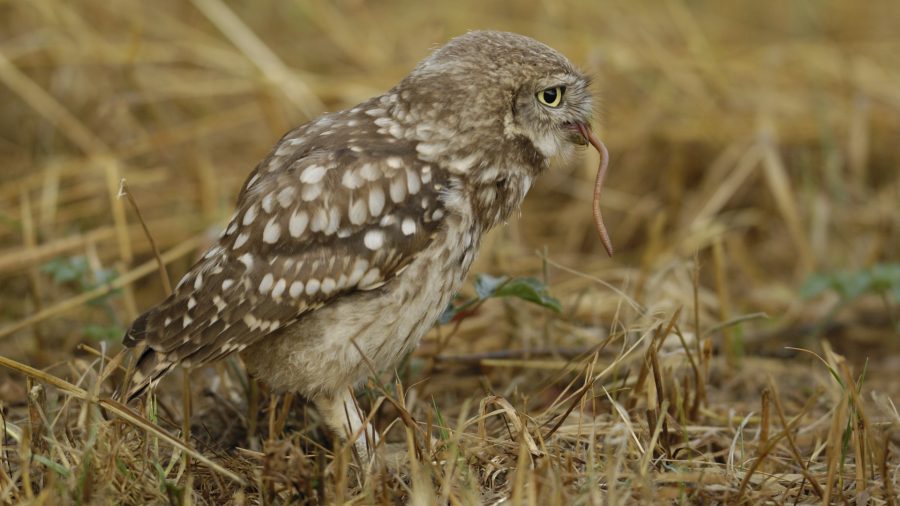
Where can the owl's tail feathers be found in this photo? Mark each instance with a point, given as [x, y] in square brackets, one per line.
[150, 366]
[138, 330]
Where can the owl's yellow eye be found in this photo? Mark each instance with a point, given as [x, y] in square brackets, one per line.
[551, 97]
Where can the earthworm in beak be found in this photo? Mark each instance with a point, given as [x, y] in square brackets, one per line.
[589, 136]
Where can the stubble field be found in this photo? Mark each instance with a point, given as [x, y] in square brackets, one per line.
[742, 347]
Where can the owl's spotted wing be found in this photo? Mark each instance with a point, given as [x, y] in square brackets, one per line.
[311, 225]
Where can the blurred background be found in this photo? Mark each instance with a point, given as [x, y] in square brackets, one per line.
[753, 181]
[759, 138]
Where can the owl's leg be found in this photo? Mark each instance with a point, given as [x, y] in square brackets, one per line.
[345, 419]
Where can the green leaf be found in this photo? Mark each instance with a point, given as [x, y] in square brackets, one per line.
[102, 299]
[97, 332]
[486, 285]
[855, 284]
[66, 270]
[886, 277]
[880, 278]
[815, 285]
[489, 287]
[530, 289]
[448, 315]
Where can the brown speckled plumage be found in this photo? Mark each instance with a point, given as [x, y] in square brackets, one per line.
[355, 231]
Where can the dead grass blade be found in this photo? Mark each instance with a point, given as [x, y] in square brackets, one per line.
[299, 94]
[513, 417]
[119, 282]
[119, 410]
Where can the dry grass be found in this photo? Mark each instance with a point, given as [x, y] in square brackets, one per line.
[752, 146]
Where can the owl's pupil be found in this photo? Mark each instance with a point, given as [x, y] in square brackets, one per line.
[550, 95]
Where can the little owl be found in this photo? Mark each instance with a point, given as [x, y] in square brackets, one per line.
[352, 235]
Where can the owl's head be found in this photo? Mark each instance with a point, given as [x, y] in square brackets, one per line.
[500, 84]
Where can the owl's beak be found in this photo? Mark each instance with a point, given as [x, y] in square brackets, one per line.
[588, 137]
[575, 136]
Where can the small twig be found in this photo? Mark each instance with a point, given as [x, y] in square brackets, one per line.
[476, 358]
[163, 274]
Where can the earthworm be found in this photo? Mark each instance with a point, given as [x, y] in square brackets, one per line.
[589, 136]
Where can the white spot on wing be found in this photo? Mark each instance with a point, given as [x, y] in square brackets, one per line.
[334, 221]
[250, 215]
[297, 223]
[310, 192]
[398, 189]
[376, 200]
[359, 269]
[351, 180]
[227, 284]
[266, 284]
[412, 182]
[357, 212]
[408, 226]
[369, 172]
[268, 201]
[240, 240]
[374, 239]
[372, 276]
[296, 289]
[312, 286]
[327, 286]
[279, 287]
[272, 231]
[312, 174]
[319, 220]
[286, 196]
